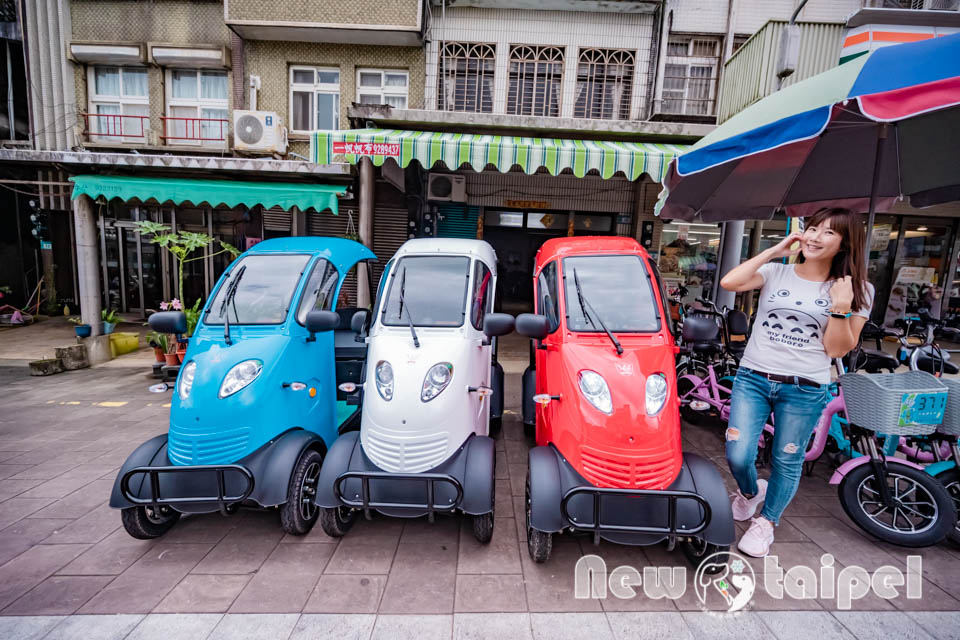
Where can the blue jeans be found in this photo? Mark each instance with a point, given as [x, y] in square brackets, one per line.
[796, 409]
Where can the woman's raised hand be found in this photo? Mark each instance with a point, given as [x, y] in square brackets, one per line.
[783, 250]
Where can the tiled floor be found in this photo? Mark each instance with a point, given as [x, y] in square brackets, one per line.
[67, 568]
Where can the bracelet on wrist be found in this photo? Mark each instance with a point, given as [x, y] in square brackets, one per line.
[841, 315]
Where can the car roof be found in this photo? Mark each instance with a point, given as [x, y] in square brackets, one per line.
[339, 251]
[588, 245]
[455, 246]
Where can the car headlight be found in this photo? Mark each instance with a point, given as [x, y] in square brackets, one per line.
[186, 378]
[656, 393]
[595, 389]
[384, 377]
[240, 376]
[436, 380]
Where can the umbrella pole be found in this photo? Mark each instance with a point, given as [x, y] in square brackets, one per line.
[874, 187]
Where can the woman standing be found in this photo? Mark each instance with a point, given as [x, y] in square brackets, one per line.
[809, 312]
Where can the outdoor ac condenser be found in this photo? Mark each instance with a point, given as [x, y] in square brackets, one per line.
[259, 132]
[445, 187]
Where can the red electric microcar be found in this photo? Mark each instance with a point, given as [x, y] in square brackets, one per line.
[601, 397]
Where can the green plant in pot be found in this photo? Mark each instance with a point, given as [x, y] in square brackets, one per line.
[182, 244]
[110, 319]
[160, 344]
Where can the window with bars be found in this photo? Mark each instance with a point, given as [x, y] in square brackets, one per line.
[196, 107]
[465, 74]
[604, 84]
[690, 77]
[119, 104]
[536, 75]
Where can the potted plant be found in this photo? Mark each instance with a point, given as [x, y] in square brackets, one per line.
[82, 330]
[159, 343]
[110, 319]
[170, 355]
[182, 244]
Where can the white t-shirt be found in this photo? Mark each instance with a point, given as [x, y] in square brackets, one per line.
[787, 336]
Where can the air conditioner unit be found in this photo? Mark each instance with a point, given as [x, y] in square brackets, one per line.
[445, 187]
[259, 131]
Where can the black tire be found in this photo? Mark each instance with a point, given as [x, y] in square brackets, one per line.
[147, 523]
[530, 430]
[299, 513]
[950, 479]
[689, 415]
[483, 527]
[539, 543]
[698, 549]
[337, 522]
[496, 424]
[933, 513]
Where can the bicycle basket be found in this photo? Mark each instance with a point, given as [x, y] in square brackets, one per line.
[902, 404]
[951, 419]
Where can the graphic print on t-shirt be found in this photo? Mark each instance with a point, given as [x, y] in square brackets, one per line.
[789, 325]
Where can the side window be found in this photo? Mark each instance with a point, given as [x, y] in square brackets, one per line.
[318, 295]
[547, 302]
[663, 297]
[481, 295]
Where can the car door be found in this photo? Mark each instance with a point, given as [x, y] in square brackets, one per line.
[481, 302]
[548, 365]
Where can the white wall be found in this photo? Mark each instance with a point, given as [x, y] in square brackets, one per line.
[572, 30]
[710, 16]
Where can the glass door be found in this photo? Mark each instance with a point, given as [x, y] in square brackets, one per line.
[920, 269]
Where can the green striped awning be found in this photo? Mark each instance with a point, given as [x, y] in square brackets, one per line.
[455, 150]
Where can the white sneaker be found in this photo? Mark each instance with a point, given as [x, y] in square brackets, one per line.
[744, 508]
[758, 538]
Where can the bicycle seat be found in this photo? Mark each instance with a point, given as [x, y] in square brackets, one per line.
[949, 333]
[876, 360]
[932, 365]
[702, 334]
[738, 324]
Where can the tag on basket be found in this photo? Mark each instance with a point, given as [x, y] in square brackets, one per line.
[922, 408]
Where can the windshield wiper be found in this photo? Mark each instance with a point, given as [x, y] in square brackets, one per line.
[585, 305]
[413, 332]
[228, 300]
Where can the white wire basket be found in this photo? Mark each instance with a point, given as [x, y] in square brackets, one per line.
[951, 419]
[903, 404]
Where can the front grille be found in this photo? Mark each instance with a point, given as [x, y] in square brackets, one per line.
[224, 447]
[655, 471]
[408, 454]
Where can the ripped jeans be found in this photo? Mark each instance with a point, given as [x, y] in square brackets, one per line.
[796, 409]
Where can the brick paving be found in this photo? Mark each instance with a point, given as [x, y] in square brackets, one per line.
[68, 570]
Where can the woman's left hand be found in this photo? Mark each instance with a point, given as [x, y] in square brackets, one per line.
[841, 295]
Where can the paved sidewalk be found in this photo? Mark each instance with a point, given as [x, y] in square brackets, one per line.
[64, 553]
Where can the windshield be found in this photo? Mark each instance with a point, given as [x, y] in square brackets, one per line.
[264, 292]
[434, 291]
[616, 287]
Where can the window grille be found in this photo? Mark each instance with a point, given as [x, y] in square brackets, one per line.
[604, 84]
[536, 75]
[466, 77]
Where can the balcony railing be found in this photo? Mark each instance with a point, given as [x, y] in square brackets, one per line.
[115, 127]
[194, 130]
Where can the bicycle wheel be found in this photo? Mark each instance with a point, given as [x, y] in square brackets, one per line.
[690, 415]
[950, 479]
[923, 512]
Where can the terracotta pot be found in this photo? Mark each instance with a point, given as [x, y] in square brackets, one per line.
[158, 353]
[171, 359]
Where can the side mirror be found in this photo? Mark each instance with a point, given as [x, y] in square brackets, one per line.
[359, 320]
[497, 324]
[174, 322]
[533, 325]
[318, 321]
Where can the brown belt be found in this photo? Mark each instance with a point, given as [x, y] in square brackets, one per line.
[797, 380]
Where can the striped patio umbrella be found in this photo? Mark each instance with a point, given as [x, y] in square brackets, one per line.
[882, 126]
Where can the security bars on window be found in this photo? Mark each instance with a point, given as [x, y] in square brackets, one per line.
[604, 84]
[690, 77]
[536, 75]
[466, 77]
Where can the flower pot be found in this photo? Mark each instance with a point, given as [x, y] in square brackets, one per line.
[182, 352]
[82, 330]
[171, 359]
[158, 353]
[108, 327]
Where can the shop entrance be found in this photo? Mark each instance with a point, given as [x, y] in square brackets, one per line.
[131, 267]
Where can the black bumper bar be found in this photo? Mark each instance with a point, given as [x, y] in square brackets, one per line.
[430, 479]
[597, 526]
[221, 499]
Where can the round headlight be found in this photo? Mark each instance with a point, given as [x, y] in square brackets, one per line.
[186, 378]
[436, 380]
[384, 378]
[656, 393]
[240, 376]
[594, 388]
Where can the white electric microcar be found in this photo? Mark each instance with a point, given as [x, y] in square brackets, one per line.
[431, 391]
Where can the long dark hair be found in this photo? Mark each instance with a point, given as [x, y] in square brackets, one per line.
[849, 261]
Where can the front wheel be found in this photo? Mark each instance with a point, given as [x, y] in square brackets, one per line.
[299, 513]
[950, 479]
[922, 513]
[698, 550]
[539, 543]
[483, 527]
[148, 522]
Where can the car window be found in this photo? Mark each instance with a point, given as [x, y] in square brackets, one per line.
[433, 288]
[663, 296]
[615, 291]
[384, 277]
[318, 294]
[481, 296]
[547, 302]
[262, 294]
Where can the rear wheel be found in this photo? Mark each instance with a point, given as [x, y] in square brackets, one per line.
[923, 512]
[299, 513]
[950, 479]
[148, 522]
[483, 527]
[337, 521]
[539, 543]
[698, 550]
